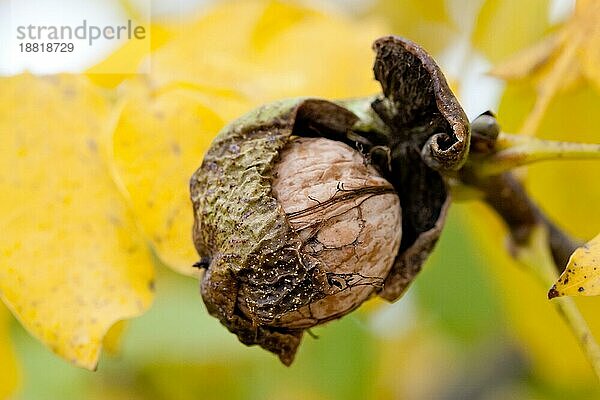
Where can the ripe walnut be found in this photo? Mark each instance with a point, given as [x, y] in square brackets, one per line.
[347, 218]
[305, 208]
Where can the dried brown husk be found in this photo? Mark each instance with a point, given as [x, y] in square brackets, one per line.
[429, 137]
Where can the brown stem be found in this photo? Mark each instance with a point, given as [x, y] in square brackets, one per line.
[505, 194]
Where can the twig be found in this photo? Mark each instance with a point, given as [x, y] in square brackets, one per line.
[546, 256]
[511, 151]
[509, 199]
[537, 258]
[569, 311]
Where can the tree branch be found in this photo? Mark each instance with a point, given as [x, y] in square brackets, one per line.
[505, 194]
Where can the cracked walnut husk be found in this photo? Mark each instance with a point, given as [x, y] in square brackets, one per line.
[305, 208]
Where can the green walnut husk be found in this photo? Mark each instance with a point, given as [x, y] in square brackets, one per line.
[415, 134]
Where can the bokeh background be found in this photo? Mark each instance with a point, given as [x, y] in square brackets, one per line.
[474, 325]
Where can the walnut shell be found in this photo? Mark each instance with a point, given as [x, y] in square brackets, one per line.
[257, 270]
[355, 238]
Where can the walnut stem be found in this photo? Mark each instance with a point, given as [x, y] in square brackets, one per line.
[537, 257]
[511, 151]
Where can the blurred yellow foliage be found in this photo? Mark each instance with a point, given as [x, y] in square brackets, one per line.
[300, 55]
[574, 49]
[557, 61]
[506, 26]
[158, 143]
[72, 261]
[543, 335]
[126, 58]
[111, 343]
[570, 115]
[425, 22]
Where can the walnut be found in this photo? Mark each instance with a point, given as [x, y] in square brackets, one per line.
[304, 208]
[328, 192]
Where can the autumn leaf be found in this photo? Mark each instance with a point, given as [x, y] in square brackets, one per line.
[125, 61]
[218, 52]
[558, 61]
[506, 26]
[158, 143]
[425, 22]
[72, 262]
[581, 277]
[575, 48]
[111, 343]
[238, 46]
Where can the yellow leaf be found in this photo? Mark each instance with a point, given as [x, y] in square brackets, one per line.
[158, 143]
[9, 369]
[72, 261]
[506, 26]
[581, 277]
[589, 51]
[111, 343]
[237, 46]
[310, 59]
[558, 61]
[424, 22]
[228, 104]
[527, 61]
[125, 61]
[212, 51]
[277, 17]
